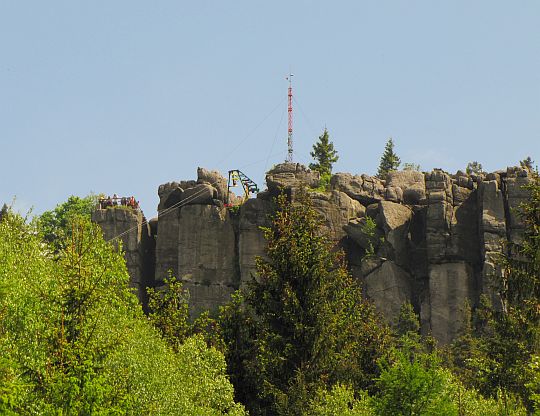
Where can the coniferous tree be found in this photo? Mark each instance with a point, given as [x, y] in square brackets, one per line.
[313, 327]
[389, 160]
[508, 337]
[325, 156]
[407, 320]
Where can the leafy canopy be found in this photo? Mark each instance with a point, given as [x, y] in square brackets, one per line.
[74, 340]
[56, 224]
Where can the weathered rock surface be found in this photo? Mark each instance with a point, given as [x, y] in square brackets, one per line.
[394, 219]
[336, 209]
[434, 244]
[411, 183]
[290, 175]
[131, 226]
[450, 284]
[389, 286]
[365, 189]
[214, 179]
[254, 214]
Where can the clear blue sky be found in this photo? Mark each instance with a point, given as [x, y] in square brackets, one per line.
[121, 96]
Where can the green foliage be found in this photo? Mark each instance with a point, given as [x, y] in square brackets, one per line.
[324, 155]
[411, 166]
[407, 321]
[239, 330]
[389, 160]
[474, 168]
[368, 229]
[74, 341]
[340, 401]
[493, 356]
[310, 316]
[467, 350]
[413, 384]
[168, 311]
[516, 326]
[55, 225]
[519, 287]
[533, 384]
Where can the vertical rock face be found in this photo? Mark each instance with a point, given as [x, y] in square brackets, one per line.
[389, 286]
[450, 284]
[253, 215]
[196, 240]
[131, 226]
[492, 229]
[206, 255]
[425, 238]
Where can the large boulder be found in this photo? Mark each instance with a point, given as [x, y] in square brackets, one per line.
[213, 178]
[202, 194]
[336, 209]
[364, 188]
[405, 179]
[394, 219]
[290, 175]
[356, 231]
[173, 198]
[165, 190]
[411, 183]
[393, 194]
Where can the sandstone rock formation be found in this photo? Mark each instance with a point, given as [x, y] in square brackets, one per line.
[137, 243]
[434, 243]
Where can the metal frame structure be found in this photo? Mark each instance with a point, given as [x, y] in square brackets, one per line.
[237, 177]
[290, 127]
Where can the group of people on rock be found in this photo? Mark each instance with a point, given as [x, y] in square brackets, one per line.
[115, 200]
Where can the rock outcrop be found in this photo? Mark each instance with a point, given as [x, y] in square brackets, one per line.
[129, 226]
[426, 238]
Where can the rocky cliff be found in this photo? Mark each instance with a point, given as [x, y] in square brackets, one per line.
[428, 238]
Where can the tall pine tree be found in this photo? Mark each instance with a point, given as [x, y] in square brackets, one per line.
[324, 154]
[313, 327]
[389, 160]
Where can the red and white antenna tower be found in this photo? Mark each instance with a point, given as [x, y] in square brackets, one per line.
[289, 110]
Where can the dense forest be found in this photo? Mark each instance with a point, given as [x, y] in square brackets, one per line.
[300, 340]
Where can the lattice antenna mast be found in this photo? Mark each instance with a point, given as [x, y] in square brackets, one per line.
[290, 129]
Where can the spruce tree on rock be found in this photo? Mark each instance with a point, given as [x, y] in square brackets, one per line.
[314, 328]
[389, 160]
[324, 154]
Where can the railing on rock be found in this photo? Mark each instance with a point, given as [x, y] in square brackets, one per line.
[118, 201]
